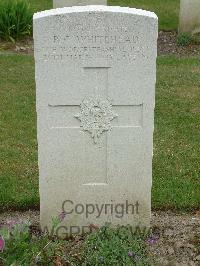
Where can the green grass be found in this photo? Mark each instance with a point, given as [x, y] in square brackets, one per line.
[40, 5]
[167, 11]
[18, 146]
[176, 165]
[15, 20]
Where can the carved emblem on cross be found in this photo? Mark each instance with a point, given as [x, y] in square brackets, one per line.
[96, 115]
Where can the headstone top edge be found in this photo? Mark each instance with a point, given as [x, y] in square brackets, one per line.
[95, 8]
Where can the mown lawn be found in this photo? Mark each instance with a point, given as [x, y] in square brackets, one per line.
[167, 11]
[176, 167]
[18, 146]
[40, 5]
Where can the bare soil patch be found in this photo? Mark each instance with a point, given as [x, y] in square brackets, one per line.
[178, 239]
[167, 45]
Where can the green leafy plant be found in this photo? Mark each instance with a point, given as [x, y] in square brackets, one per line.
[108, 246]
[184, 39]
[16, 236]
[15, 19]
[19, 245]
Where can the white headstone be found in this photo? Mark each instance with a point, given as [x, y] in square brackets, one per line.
[65, 3]
[189, 16]
[95, 79]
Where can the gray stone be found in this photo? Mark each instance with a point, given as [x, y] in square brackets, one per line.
[95, 81]
[189, 16]
[65, 3]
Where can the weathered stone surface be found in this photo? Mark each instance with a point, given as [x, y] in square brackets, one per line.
[95, 79]
[65, 3]
[189, 16]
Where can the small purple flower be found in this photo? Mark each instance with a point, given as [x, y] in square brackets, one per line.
[131, 254]
[2, 243]
[152, 240]
[61, 216]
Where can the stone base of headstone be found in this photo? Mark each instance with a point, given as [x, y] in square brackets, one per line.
[189, 21]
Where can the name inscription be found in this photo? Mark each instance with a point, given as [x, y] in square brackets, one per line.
[90, 46]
